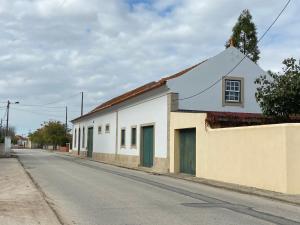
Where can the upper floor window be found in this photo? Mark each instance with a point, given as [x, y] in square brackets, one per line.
[233, 91]
[107, 128]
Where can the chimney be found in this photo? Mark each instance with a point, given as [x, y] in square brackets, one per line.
[231, 42]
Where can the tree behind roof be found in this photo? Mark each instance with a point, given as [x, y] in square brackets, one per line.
[278, 94]
[244, 36]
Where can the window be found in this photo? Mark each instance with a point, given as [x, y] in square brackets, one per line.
[75, 138]
[123, 136]
[83, 137]
[133, 136]
[99, 129]
[107, 128]
[233, 91]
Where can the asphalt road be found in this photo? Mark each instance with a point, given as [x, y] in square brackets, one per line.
[87, 192]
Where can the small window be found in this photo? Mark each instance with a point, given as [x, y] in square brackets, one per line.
[123, 136]
[232, 90]
[99, 129]
[107, 128]
[133, 136]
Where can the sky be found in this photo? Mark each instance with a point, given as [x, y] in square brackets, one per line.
[51, 50]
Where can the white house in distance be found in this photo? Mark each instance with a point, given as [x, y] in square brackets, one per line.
[133, 129]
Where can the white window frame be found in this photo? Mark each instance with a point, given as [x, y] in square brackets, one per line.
[230, 88]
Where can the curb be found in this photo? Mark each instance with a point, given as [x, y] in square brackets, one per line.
[44, 196]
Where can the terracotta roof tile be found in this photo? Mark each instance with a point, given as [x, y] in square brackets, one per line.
[138, 91]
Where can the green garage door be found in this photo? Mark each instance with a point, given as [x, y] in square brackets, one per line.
[90, 142]
[187, 140]
[147, 146]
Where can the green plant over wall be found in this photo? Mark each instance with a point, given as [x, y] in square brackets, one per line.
[278, 94]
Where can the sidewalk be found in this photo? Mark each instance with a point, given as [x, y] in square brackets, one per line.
[20, 201]
[293, 199]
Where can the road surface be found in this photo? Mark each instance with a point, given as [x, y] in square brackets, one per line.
[86, 192]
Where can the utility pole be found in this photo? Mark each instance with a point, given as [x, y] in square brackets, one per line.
[7, 115]
[66, 120]
[81, 103]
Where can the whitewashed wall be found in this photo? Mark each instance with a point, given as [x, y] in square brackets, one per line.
[150, 108]
[102, 142]
[151, 112]
[210, 71]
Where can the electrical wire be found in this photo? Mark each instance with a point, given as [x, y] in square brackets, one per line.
[54, 102]
[221, 78]
[38, 113]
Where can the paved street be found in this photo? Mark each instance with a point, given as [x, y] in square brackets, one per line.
[86, 192]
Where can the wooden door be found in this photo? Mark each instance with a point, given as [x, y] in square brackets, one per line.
[187, 140]
[147, 146]
[90, 142]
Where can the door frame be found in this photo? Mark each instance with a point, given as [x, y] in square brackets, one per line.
[79, 142]
[179, 150]
[87, 141]
[141, 150]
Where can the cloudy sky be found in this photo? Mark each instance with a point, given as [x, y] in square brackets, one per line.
[51, 50]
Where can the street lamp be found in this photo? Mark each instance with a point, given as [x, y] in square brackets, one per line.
[7, 116]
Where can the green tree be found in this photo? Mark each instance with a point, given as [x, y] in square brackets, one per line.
[11, 133]
[278, 94]
[51, 133]
[244, 36]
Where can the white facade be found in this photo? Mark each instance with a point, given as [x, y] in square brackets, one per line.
[153, 107]
[211, 71]
[150, 108]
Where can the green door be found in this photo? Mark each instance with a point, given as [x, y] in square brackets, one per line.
[90, 142]
[147, 146]
[187, 140]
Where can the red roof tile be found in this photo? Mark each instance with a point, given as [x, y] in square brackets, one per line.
[138, 91]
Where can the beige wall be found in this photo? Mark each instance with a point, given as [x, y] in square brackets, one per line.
[266, 157]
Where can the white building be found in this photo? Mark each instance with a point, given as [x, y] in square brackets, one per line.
[133, 129]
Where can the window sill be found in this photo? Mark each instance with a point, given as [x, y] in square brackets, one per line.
[236, 104]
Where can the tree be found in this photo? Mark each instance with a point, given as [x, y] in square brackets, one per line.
[51, 133]
[278, 94]
[244, 36]
[11, 133]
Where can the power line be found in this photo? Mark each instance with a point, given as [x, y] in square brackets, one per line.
[38, 113]
[221, 78]
[47, 109]
[54, 102]
[50, 107]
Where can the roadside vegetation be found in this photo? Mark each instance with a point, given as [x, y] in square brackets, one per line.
[278, 94]
[52, 133]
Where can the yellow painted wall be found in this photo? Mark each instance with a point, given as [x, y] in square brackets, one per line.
[293, 158]
[266, 157]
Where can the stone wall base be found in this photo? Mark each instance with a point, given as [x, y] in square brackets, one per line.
[160, 164]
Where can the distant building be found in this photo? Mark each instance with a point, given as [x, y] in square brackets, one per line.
[21, 141]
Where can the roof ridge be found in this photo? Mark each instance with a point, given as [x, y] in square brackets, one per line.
[139, 90]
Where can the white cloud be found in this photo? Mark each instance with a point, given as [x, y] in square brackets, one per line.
[51, 49]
